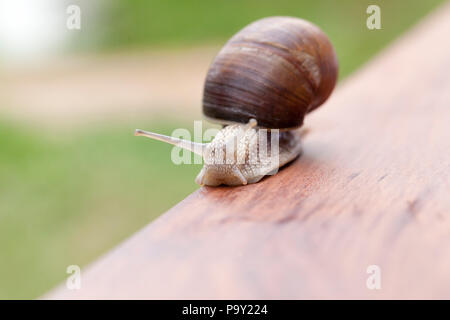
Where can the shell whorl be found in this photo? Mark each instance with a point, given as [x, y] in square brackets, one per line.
[275, 70]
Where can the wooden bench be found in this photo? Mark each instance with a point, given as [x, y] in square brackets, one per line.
[372, 188]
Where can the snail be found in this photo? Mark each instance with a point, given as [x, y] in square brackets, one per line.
[268, 76]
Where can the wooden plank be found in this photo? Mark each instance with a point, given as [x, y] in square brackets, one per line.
[372, 188]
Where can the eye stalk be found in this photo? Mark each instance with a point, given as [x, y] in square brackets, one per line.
[195, 147]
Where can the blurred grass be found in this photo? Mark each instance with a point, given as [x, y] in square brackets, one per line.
[66, 201]
[143, 23]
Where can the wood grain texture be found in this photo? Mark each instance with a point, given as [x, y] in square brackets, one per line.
[372, 187]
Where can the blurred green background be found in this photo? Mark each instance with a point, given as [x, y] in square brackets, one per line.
[67, 196]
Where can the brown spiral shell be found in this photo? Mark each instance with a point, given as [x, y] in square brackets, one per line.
[275, 70]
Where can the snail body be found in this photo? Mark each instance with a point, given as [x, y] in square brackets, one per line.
[246, 164]
[234, 156]
[267, 76]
